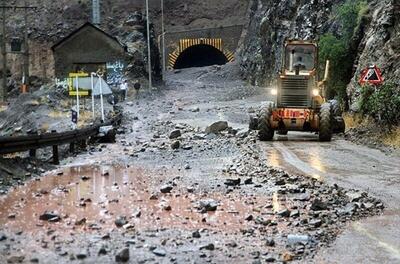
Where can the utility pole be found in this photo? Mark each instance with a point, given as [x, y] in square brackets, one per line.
[26, 51]
[163, 39]
[3, 7]
[148, 44]
[96, 12]
[3, 90]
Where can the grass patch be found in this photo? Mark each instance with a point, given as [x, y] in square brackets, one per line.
[392, 138]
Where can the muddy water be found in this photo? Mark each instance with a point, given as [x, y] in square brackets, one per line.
[101, 194]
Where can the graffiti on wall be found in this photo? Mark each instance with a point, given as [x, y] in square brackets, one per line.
[115, 72]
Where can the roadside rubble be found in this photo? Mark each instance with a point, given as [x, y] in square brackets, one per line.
[211, 199]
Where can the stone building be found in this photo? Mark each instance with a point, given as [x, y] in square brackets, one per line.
[90, 49]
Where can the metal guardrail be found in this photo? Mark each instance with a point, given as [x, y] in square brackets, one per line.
[31, 143]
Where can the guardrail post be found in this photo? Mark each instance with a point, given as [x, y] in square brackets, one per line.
[72, 147]
[56, 160]
[32, 152]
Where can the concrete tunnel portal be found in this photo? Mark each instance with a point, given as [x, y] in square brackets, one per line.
[199, 52]
[200, 56]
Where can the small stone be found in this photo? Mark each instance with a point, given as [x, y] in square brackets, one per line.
[196, 234]
[208, 205]
[2, 237]
[102, 251]
[12, 216]
[47, 215]
[16, 259]
[159, 252]
[232, 244]
[175, 134]
[270, 242]
[287, 256]
[120, 221]
[318, 205]
[367, 206]
[261, 221]
[187, 167]
[232, 182]
[166, 188]
[34, 260]
[303, 197]
[284, 213]
[128, 226]
[81, 255]
[295, 239]
[248, 181]
[176, 145]
[217, 127]
[122, 256]
[80, 221]
[85, 178]
[316, 223]
[280, 182]
[294, 213]
[209, 246]
[354, 196]
[249, 218]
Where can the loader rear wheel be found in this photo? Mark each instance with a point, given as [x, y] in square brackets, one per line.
[265, 133]
[253, 125]
[325, 123]
[340, 125]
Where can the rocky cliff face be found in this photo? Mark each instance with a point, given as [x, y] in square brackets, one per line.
[54, 20]
[271, 24]
[377, 41]
[380, 45]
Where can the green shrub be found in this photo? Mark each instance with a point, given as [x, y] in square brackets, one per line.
[338, 49]
[334, 50]
[349, 15]
[381, 103]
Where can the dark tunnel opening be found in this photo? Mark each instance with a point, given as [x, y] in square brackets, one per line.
[200, 56]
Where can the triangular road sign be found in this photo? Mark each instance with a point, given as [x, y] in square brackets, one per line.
[371, 75]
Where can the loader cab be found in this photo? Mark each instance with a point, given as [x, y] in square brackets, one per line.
[300, 59]
[297, 82]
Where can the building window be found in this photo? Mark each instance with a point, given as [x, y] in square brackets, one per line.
[16, 45]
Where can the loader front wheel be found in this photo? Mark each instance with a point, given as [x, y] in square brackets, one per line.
[265, 133]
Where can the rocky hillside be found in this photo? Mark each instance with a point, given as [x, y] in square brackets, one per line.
[53, 20]
[376, 39]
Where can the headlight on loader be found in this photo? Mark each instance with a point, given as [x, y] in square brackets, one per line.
[274, 91]
[315, 92]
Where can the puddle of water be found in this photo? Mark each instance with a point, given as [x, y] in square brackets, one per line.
[101, 194]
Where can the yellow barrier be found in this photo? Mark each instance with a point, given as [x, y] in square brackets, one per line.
[72, 89]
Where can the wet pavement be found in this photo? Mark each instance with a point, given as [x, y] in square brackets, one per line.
[214, 198]
[373, 240]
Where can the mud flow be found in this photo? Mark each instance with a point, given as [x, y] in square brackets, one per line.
[93, 197]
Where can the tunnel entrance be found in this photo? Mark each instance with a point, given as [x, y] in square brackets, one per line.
[200, 56]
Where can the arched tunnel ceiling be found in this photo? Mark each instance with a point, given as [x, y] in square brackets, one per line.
[200, 56]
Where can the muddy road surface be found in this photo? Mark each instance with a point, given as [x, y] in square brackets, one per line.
[187, 182]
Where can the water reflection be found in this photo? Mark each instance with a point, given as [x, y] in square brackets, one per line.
[100, 194]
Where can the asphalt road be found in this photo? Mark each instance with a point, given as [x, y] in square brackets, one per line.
[372, 240]
[103, 183]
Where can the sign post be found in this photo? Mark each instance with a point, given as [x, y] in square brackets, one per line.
[371, 75]
[101, 98]
[77, 94]
[92, 85]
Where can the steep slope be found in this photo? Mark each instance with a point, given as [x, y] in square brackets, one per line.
[376, 39]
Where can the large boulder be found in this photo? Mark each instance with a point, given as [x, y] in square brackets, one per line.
[217, 127]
